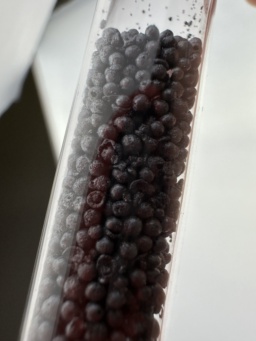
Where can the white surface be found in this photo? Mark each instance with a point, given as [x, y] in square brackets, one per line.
[213, 294]
[22, 24]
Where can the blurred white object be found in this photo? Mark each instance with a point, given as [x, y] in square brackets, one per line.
[22, 25]
[58, 64]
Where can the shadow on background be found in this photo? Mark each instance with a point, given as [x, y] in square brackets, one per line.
[26, 175]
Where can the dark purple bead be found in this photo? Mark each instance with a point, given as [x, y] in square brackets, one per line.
[141, 39]
[157, 129]
[171, 55]
[91, 217]
[177, 74]
[83, 240]
[69, 310]
[127, 84]
[75, 328]
[190, 79]
[184, 64]
[114, 225]
[94, 312]
[144, 244]
[185, 127]
[184, 142]
[196, 44]
[131, 144]
[121, 208]
[110, 89]
[158, 72]
[97, 168]
[152, 32]
[168, 120]
[73, 289]
[106, 267]
[152, 228]
[123, 101]
[138, 278]
[95, 92]
[105, 52]
[86, 271]
[124, 124]
[96, 332]
[195, 60]
[140, 103]
[116, 299]
[117, 191]
[132, 51]
[100, 183]
[95, 232]
[95, 291]
[161, 107]
[184, 48]
[107, 131]
[155, 163]
[146, 174]
[128, 250]
[95, 199]
[113, 73]
[105, 246]
[176, 134]
[132, 227]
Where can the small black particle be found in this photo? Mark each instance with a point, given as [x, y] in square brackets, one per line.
[183, 11]
[131, 14]
[188, 23]
[103, 24]
[170, 18]
[143, 11]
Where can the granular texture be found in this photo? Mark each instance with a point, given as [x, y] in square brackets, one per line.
[120, 199]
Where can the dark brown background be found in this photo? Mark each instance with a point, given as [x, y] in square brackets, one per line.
[26, 174]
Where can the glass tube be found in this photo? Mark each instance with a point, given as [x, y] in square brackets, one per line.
[104, 260]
